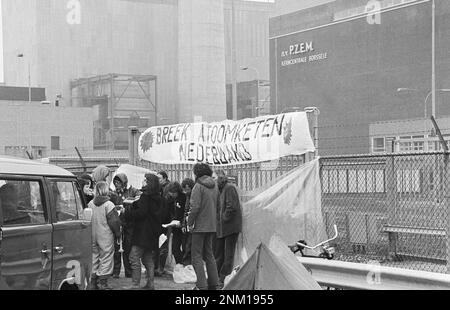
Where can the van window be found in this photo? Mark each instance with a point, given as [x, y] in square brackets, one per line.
[64, 197]
[21, 203]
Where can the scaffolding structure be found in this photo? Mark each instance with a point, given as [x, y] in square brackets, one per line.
[119, 101]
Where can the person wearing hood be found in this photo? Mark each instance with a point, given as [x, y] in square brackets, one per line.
[229, 226]
[147, 227]
[202, 224]
[101, 174]
[123, 192]
[105, 229]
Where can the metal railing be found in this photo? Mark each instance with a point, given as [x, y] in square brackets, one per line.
[353, 276]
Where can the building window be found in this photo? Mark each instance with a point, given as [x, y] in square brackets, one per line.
[390, 144]
[418, 146]
[55, 144]
[379, 145]
[433, 146]
[405, 146]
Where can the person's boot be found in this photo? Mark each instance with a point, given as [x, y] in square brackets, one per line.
[136, 280]
[104, 285]
[150, 285]
[94, 282]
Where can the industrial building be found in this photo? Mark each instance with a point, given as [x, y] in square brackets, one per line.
[137, 62]
[369, 72]
[37, 128]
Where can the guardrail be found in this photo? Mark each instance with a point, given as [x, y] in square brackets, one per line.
[356, 276]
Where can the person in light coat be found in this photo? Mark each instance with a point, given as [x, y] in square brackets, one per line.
[105, 230]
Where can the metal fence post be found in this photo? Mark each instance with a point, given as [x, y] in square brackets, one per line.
[447, 207]
[316, 131]
[391, 197]
[316, 113]
[133, 144]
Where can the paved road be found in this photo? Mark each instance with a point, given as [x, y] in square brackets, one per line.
[165, 283]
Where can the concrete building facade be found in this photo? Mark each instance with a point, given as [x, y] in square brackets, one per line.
[185, 44]
[44, 130]
[351, 65]
[201, 60]
[68, 40]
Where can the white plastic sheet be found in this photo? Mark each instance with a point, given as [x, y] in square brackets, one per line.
[289, 207]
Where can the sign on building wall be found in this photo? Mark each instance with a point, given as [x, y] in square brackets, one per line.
[229, 142]
[301, 53]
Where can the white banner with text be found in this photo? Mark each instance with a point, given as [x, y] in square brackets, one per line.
[227, 143]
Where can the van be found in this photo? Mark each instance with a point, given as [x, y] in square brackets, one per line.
[45, 232]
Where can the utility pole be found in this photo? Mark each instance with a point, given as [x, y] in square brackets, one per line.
[234, 61]
[433, 57]
[30, 147]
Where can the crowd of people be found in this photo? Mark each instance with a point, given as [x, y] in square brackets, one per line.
[202, 217]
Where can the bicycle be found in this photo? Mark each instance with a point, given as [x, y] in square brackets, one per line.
[326, 251]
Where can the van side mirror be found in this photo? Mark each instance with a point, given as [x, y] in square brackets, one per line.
[87, 214]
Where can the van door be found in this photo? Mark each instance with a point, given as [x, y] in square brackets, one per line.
[25, 250]
[72, 237]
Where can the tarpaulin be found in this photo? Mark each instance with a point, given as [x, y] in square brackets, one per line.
[272, 268]
[289, 207]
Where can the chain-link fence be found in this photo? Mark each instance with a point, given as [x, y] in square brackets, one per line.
[247, 177]
[392, 209]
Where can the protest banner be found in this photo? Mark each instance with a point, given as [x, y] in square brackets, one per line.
[227, 143]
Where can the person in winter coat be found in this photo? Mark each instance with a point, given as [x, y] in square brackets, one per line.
[105, 229]
[173, 210]
[144, 216]
[187, 185]
[229, 226]
[123, 193]
[202, 224]
[163, 181]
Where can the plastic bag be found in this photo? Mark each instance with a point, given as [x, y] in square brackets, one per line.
[184, 275]
[178, 274]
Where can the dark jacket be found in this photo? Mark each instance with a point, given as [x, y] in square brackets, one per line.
[127, 192]
[144, 216]
[118, 197]
[204, 199]
[229, 213]
[173, 210]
